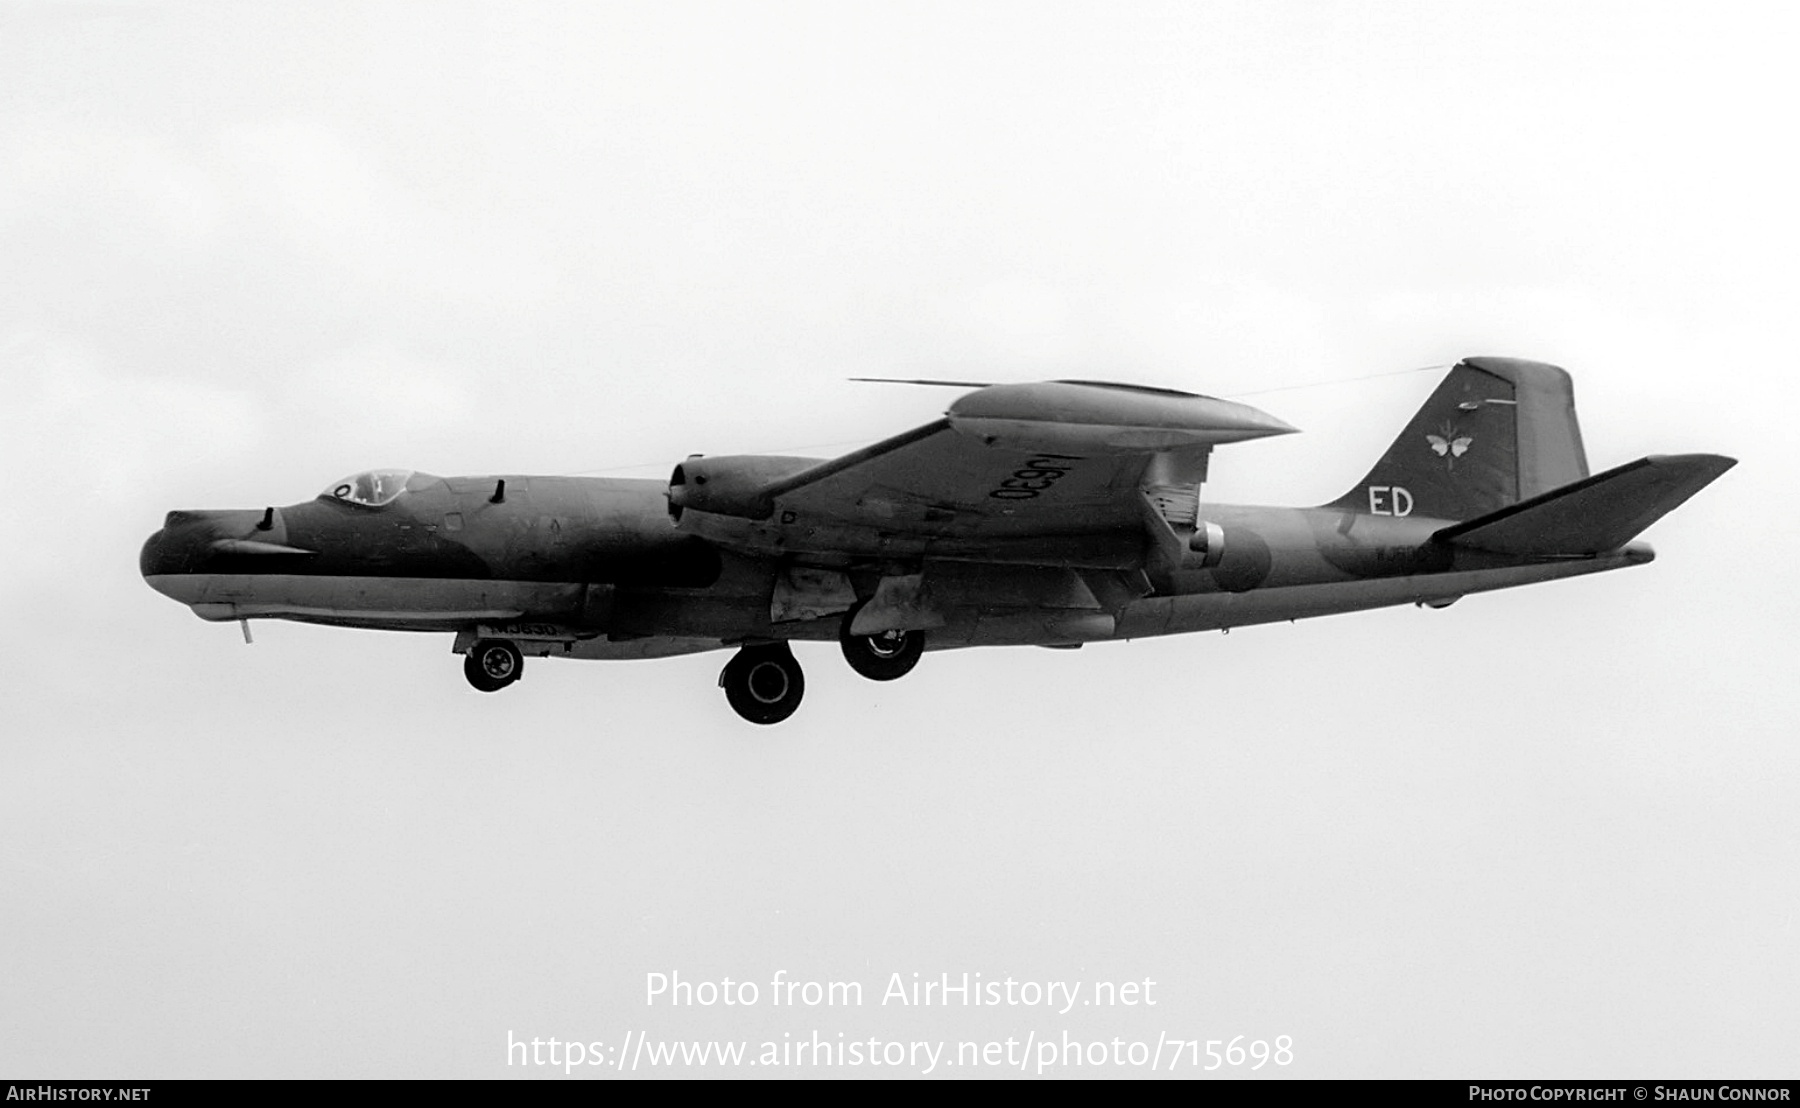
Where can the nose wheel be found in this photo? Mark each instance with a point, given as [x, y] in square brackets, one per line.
[493, 664]
[763, 683]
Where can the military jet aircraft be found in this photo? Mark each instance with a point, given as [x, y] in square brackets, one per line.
[1054, 514]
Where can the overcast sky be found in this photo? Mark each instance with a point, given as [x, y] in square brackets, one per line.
[246, 249]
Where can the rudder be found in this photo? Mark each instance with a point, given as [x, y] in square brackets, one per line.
[1494, 432]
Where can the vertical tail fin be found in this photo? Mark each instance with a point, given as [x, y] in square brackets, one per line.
[1495, 431]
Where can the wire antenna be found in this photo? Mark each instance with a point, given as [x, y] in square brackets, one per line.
[1336, 381]
[985, 384]
[923, 381]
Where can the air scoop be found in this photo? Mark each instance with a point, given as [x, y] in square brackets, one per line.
[1092, 417]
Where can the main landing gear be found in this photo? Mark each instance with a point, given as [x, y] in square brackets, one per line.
[763, 683]
[884, 656]
[493, 664]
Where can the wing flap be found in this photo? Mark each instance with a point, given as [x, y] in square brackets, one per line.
[1593, 515]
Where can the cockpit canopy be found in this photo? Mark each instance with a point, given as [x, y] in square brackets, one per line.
[370, 488]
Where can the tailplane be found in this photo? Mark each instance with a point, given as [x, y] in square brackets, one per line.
[1496, 431]
[1601, 513]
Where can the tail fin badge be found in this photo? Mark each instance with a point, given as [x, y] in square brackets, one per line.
[1449, 445]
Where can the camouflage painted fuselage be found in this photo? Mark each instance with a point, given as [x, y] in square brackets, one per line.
[593, 567]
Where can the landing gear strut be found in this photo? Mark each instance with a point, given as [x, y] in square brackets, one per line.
[883, 656]
[763, 683]
[493, 664]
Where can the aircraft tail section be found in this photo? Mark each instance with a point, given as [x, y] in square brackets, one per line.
[1591, 516]
[1495, 432]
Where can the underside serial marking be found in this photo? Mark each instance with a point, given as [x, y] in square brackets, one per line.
[1034, 477]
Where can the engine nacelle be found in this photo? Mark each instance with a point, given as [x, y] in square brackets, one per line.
[742, 485]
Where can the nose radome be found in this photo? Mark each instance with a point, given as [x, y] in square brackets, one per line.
[150, 555]
[186, 539]
[166, 552]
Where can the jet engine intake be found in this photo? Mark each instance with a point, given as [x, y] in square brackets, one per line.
[732, 485]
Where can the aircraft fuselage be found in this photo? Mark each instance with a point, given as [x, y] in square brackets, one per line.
[597, 561]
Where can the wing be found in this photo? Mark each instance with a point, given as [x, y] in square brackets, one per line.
[1046, 472]
[939, 483]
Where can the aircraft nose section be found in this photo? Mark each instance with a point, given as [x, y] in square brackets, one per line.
[189, 538]
[151, 558]
[172, 550]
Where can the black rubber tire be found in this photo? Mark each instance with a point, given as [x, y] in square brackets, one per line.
[493, 664]
[763, 684]
[882, 657]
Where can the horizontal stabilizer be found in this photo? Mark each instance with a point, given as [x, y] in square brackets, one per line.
[1595, 514]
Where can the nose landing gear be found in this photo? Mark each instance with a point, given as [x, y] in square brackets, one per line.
[493, 664]
[763, 683]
